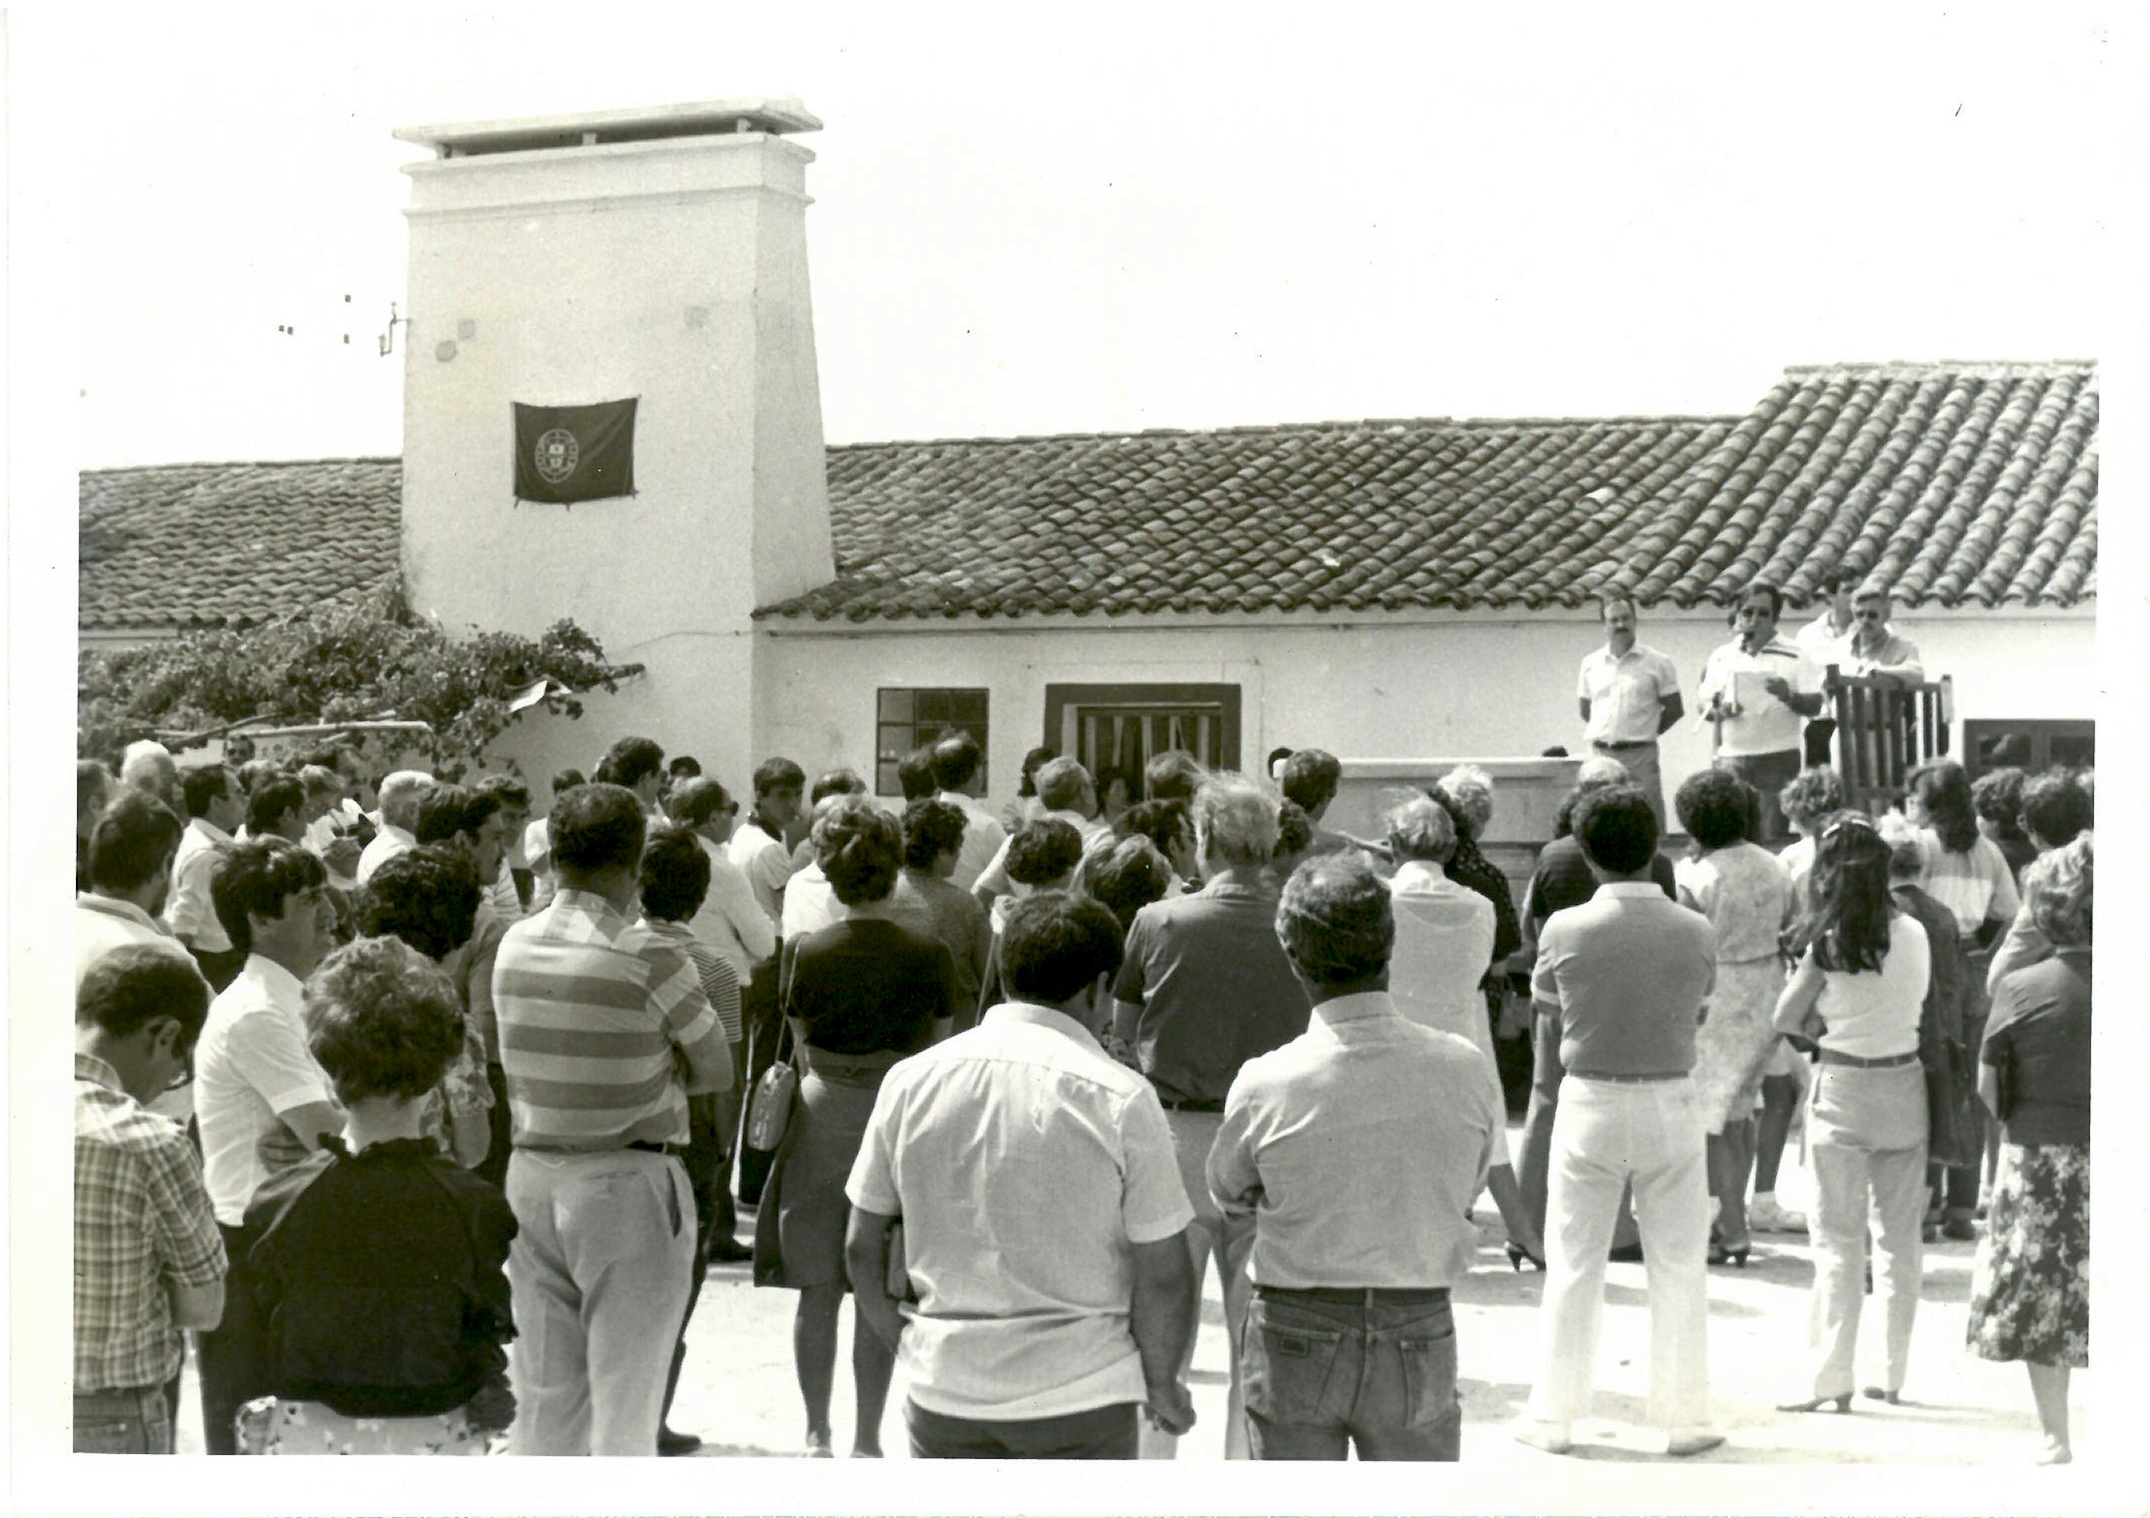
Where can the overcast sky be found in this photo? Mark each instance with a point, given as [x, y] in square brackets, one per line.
[1153, 216]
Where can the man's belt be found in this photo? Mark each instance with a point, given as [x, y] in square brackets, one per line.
[1639, 743]
[644, 1146]
[1885, 1062]
[1189, 1104]
[1358, 1296]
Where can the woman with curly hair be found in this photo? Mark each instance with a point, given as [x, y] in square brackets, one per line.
[1810, 801]
[1997, 798]
[858, 995]
[382, 1263]
[1856, 998]
[1739, 886]
[2030, 1283]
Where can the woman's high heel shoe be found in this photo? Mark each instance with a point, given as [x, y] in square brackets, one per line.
[1882, 1394]
[1517, 1254]
[1816, 1404]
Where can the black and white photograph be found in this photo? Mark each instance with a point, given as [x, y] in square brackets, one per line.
[1183, 735]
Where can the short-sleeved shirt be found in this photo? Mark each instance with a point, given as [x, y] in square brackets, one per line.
[765, 862]
[102, 925]
[251, 1067]
[961, 924]
[1630, 972]
[1742, 890]
[592, 1008]
[1358, 1147]
[189, 912]
[867, 985]
[142, 1223]
[1627, 693]
[731, 921]
[1874, 1015]
[1765, 725]
[1974, 885]
[1444, 942]
[1024, 1164]
[1563, 879]
[1822, 643]
[2039, 1032]
[387, 844]
[720, 982]
[982, 837]
[1213, 988]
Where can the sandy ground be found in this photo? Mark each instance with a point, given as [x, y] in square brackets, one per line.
[738, 1390]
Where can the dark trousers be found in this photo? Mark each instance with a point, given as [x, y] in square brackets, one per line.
[128, 1421]
[762, 1024]
[1323, 1376]
[501, 1127]
[706, 1178]
[1101, 1433]
[233, 1356]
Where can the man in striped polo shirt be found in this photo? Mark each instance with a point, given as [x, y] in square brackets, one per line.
[604, 1032]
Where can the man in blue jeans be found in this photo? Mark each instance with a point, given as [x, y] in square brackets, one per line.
[1357, 1148]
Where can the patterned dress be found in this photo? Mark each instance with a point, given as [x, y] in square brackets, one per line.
[1742, 890]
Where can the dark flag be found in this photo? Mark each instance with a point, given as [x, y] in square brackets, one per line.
[574, 453]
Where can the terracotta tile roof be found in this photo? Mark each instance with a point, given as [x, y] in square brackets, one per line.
[193, 545]
[1946, 483]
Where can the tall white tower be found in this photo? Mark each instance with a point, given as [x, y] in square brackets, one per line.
[653, 253]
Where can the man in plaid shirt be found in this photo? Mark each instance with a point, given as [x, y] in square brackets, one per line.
[149, 1261]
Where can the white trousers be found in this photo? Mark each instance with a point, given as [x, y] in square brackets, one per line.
[1866, 1145]
[1607, 1134]
[599, 1271]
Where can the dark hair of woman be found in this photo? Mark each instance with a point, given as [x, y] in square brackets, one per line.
[1849, 926]
[386, 1021]
[1031, 762]
[860, 849]
[930, 829]
[1715, 806]
[1946, 795]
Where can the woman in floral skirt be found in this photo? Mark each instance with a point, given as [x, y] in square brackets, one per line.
[1743, 891]
[2030, 1285]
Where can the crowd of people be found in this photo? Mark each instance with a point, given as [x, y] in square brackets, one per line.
[428, 1119]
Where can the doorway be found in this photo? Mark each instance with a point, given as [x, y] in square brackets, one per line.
[1117, 729]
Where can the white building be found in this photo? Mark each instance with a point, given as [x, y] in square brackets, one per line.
[1419, 587]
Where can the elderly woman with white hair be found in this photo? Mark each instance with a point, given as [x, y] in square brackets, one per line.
[1444, 944]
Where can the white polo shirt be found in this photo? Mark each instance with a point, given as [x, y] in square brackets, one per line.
[251, 1066]
[1024, 1163]
[982, 837]
[190, 913]
[1765, 725]
[387, 844]
[1626, 693]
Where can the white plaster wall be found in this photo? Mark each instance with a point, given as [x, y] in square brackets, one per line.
[1468, 686]
[674, 271]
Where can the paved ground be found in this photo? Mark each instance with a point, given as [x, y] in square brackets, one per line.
[738, 1390]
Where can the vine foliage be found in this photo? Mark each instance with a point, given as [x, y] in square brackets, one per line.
[366, 658]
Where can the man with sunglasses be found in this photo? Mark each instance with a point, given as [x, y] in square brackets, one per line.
[1853, 633]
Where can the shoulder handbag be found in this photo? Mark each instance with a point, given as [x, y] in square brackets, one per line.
[769, 1110]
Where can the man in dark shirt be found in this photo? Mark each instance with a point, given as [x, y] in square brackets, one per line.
[1204, 988]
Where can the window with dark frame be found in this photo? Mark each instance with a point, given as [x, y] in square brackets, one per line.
[909, 717]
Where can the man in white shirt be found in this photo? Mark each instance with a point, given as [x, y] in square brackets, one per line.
[1853, 633]
[1757, 689]
[1628, 694]
[217, 807]
[757, 844]
[1039, 1331]
[637, 764]
[956, 760]
[261, 1099]
[1070, 796]
[400, 793]
[148, 767]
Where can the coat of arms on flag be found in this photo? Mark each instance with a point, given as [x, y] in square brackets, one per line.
[574, 453]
